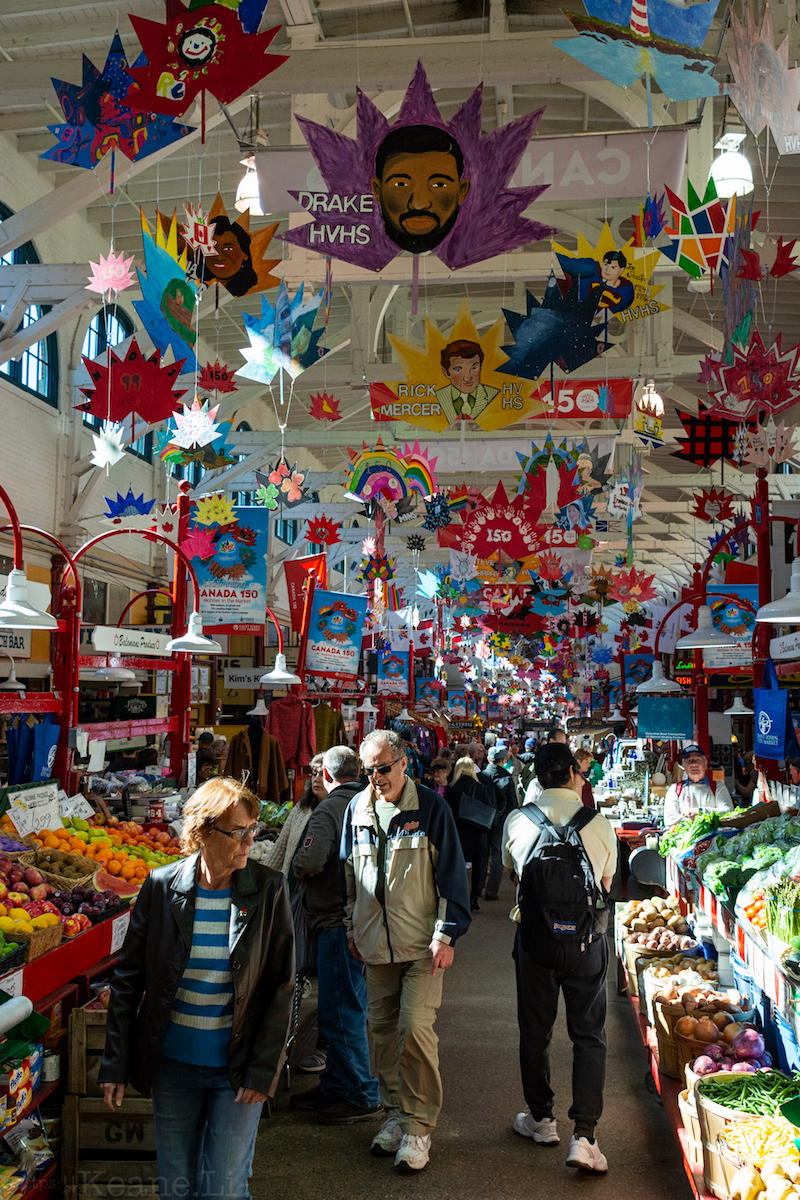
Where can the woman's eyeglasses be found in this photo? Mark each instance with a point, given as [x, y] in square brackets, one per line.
[238, 835]
[315, 771]
[384, 769]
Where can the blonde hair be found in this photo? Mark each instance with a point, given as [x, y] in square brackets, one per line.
[465, 766]
[210, 802]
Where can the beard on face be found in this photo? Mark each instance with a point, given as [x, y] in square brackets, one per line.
[418, 243]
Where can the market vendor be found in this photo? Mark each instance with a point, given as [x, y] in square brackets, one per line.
[202, 995]
[697, 792]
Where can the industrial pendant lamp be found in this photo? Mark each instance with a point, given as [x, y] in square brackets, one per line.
[247, 193]
[260, 709]
[367, 708]
[193, 641]
[705, 636]
[731, 172]
[616, 716]
[738, 708]
[404, 714]
[658, 683]
[11, 683]
[114, 675]
[280, 674]
[787, 610]
[15, 610]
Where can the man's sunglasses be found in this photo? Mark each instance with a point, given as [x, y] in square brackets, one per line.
[382, 770]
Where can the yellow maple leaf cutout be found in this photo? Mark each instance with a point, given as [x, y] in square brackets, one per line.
[214, 510]
[504, 400]
[638, 271]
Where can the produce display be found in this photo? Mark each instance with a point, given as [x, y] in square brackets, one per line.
[731, 1047]
[730, 862]
[674, 977]
[761, 1094]
[656, 924]
[782, 907]
[777, 1179]
[121, 852]
[762, 1140]
[700, 1001]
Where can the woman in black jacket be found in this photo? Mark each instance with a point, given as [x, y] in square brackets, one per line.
[462, 794]
[201, 998]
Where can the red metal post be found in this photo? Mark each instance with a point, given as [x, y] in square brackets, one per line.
[761, 526]
[182, 675]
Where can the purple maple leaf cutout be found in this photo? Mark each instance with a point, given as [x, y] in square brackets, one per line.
[490, 219]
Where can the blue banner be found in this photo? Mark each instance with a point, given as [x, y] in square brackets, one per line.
[666, 717]
[457, 703]
[334, 635]
[430, 691]
[393, 673]
[231, 564]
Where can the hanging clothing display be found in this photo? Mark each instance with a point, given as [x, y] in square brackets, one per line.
[292, 722]
[258, 752]
[329, 727]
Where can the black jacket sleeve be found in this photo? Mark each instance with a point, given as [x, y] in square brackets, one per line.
[277, 987]
[127, 992]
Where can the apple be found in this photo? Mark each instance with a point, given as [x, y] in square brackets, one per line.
[6, 863]
[17, 899]
[38, 892]
[3, 891]
[21, 886]
[16, 872]
[72, 927]
[33, 877]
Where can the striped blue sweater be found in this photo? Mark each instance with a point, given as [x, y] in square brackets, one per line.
[200, 1025]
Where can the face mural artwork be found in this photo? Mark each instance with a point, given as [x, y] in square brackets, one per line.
[421, 184]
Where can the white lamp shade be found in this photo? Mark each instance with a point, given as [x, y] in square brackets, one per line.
[732, 174]
[193, 641]
[15, 610]
[247, 194]
[404, 714]
[705, 636]
[260, 709]
[115, 675]
[657, 683]
[787, 610]
[738, 708]
[616, 716]
[367, 707]
[11, 683]
[280, 674]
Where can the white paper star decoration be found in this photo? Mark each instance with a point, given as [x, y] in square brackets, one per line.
[108, 444]
[195, 425]
[111, 274]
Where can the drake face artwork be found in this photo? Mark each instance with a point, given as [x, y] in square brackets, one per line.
[419, 186]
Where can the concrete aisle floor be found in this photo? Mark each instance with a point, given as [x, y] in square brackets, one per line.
[475, 1153]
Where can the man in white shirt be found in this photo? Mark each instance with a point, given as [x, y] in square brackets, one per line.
[697, 792]
[583, 988]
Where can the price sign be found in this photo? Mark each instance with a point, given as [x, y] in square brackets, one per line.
[35, 809]
[12, 984]
[80, 807]
[119, 929]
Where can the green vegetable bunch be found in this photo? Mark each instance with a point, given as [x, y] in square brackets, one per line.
[684, 835]
[761, 1094]
[782, 907]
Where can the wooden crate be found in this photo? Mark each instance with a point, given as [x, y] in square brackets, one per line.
[87, 1039]
[108, 1154]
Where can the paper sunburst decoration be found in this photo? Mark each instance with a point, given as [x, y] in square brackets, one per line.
[109, 446]
[126, 509]
[197, 232]
[112, 274]
[195, 425]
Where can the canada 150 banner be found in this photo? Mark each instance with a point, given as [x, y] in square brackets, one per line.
[232, 572]
[335, 632]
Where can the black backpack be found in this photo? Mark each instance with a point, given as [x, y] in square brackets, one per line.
[558, 897]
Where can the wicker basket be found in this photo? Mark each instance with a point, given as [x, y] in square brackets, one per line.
[62, 882]
[634, 951]
[39, 942]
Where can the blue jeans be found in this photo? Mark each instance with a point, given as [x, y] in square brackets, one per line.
[342, 1021]
[204, 1140]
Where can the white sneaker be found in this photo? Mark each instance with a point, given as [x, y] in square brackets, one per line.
[543, 1131]
[414, 1152]
[586, 1156]
[388, 1138]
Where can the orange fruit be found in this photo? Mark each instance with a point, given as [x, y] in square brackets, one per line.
[60, 833]
[51, 842]
[114, 867]
[128, 871]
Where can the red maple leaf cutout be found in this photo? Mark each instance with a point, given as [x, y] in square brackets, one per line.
[199, 49]
[752, 268]
[784, 259]
[133, 384]
[216, 378]
[549, 566]
[199, 543]
[322, 531]
[712, 505]
[324, 407]
[760, 378]
[633, 585]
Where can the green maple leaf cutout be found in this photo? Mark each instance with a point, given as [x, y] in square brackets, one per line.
[585, 542]
[268, 496]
